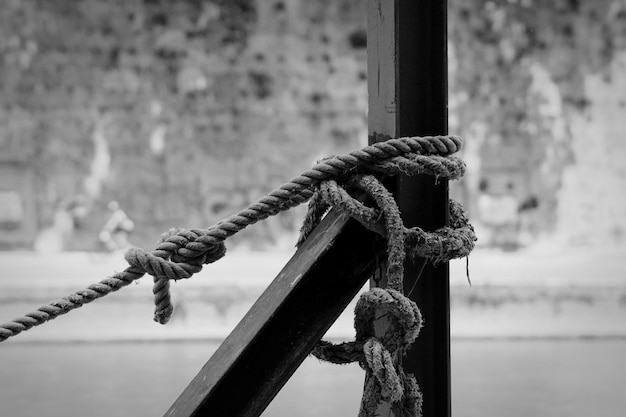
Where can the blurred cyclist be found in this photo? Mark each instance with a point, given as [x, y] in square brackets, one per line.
[115, 232]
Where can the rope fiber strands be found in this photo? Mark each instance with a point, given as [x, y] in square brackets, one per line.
[181, 253]
[381, 356]
[332, 182]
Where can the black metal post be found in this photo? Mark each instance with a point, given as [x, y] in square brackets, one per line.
[407, 72]
[422, 110]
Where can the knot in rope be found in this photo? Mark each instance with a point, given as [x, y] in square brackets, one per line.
[386, 302]
[181, 253]
[380, 356]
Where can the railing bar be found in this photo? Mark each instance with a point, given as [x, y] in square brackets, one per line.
[284, 324]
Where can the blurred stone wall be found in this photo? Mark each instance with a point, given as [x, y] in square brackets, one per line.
[537, 90]
[185, 111]
[592, 199]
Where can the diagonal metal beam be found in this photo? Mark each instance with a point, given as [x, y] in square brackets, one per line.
[286, 322]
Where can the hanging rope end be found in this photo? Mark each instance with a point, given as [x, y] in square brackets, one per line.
[162, 316]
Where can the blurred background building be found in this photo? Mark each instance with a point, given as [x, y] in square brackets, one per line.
[185, 111]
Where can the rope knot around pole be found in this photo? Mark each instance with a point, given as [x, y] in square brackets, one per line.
[181, 253]
[381, 356]
[377, 210]
[332, 182]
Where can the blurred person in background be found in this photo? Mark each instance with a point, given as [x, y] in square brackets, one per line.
[114, 233]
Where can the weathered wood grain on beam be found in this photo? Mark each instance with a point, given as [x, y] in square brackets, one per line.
[286, 322]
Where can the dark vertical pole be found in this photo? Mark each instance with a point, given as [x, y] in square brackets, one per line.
[407, 88]
[422, 110]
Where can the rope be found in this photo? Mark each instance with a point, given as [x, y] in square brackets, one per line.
[181, 253]
[330, 183]
[381, 356]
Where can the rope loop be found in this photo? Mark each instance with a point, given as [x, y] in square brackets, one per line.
[376, 209]
[386, 302]
[331, 182]
[446, 243]
[380, 356]
[405, 322]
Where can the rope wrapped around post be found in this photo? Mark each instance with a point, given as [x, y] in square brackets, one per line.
[381, 357]
[181, 253]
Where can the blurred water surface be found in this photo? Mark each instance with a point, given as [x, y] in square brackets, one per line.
[489, 378]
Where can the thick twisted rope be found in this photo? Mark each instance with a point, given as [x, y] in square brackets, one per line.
[381, 356]
[181, 253]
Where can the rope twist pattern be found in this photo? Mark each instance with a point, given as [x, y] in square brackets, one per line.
[181, 253]
[332, 182]
[381, 356]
